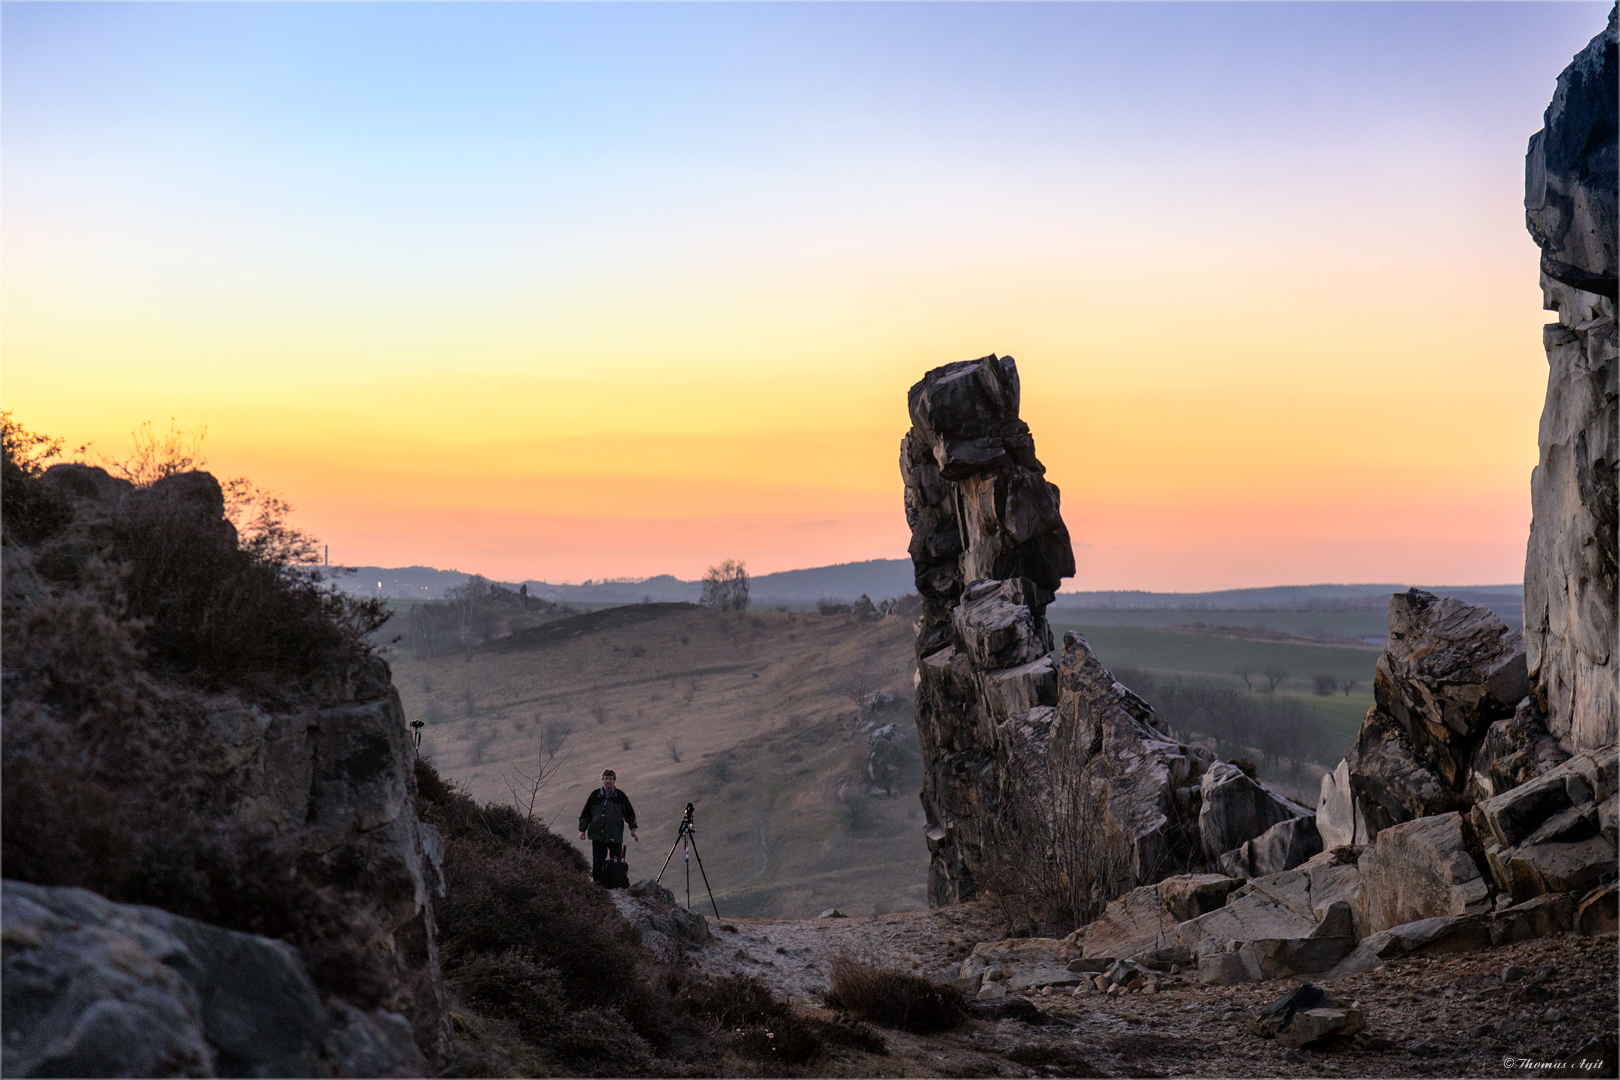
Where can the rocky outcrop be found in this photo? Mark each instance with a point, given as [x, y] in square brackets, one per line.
[1447, 721]
[989, 549]
[94, 988]
[1556, 833]
[321, 765]
[1570, 578]
[1028, 761]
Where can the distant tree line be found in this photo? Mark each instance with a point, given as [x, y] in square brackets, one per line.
[476, 611]
[1238, 722]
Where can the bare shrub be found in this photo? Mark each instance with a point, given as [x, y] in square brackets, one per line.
[828, 605]
[626, 743]
[725, 587]
[1053, 876]
[1324, 683]
[893, 998]
[1348, 684]
[29, 510]
[552, 736]
[1274, 675]
[674, 747]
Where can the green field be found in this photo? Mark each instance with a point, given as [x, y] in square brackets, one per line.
[1206, 654]
[1168, 653]
[1302, 623]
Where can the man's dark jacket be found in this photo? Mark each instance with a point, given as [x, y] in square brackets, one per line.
[597, 799]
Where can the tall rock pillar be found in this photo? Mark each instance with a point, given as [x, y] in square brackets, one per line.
[989, 549]
[1570, 581]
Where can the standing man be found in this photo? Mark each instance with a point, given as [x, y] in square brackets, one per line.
[607, 811]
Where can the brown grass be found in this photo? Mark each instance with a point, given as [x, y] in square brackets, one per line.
[771, 832]
[893, 998]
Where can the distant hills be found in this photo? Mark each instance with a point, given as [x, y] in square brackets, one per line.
[881, 579]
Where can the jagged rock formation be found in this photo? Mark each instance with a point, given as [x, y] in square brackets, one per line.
[1570, 579]
[94, 988]
[1448, 721]
[989, 549]
[1026, 760]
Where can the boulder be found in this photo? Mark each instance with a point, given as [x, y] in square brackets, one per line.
[1268, 934]
[1542, 917]
[1419, 870]
[1306, 1015]
[1024, 964]
[1514, 751]
[1128, 798]
[1188, 896]
[1284, 846]
[1570, 584]
[94, 988]
[1235, 809]
[660, 921]
[1443, 934]
[1389, 782]
[1598, 911]
[1138, 922]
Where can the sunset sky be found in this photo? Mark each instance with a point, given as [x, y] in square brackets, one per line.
[565, 291]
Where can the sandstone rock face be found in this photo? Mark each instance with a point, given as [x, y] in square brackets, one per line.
[1570, 567]
[94, 988]
[1449, 671]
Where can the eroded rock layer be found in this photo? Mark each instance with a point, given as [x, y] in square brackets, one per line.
[1570, 580]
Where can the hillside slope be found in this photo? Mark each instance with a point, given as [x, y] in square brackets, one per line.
[749, 716]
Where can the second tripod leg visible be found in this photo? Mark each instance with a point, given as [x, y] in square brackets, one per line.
[705, 874]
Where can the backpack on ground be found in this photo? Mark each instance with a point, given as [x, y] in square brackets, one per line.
[616, 873]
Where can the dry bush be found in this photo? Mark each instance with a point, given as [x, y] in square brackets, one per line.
[893, 998]
[762, 1027]
[220, 613]
[512, 894]
[1051, 877]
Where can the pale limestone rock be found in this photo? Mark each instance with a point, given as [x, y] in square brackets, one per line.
[1570, 576]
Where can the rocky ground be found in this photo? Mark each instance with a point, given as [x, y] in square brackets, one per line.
[1496, 1012]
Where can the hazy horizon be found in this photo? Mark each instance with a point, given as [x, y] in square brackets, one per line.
[580, 291]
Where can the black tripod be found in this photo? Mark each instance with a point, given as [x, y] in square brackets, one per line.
[689, 834]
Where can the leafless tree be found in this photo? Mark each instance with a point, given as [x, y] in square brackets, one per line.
[1273, 677]
[1244, 673]
[725, 587]
[857, 684]
[525, 787]
[1348, 683]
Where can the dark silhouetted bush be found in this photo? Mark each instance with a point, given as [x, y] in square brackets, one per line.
[893, 998]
